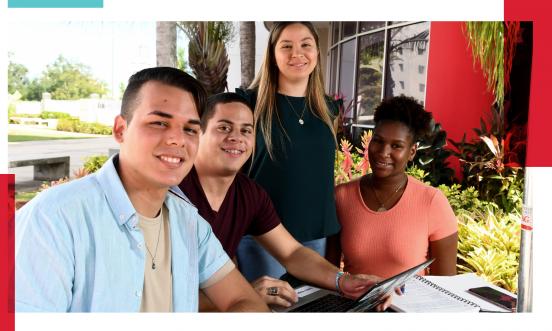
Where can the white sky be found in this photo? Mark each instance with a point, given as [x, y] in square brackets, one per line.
[112, 50]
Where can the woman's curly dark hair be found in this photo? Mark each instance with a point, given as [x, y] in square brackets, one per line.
[407, 111]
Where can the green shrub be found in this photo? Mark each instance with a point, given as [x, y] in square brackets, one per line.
[95, 162]
[11, 110]
[75, 125]
[67, 124]
[464, 199]
[488, 245]
[54, 115]
[417, 173]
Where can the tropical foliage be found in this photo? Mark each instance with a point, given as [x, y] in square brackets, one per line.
[207, 55]
[490, 164]
[489, 241]
[432, 156]
[486, 40]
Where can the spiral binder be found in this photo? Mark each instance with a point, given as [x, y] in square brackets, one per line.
[445, 291]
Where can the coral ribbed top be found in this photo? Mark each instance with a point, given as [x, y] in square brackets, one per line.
[386, 243]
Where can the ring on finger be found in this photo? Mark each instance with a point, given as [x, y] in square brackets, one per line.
[273, 291]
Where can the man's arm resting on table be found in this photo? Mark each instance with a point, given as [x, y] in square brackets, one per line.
[300, 261]
[309, 266]
[234, 294]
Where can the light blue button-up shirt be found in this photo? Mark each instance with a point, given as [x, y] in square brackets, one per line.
[78, 249]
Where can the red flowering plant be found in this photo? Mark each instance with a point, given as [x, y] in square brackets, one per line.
[349, 163]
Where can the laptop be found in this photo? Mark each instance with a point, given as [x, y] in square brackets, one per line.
[313, 299]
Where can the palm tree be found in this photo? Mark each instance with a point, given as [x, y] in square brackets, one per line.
[166, 44]
[247, 53]
[207, 54]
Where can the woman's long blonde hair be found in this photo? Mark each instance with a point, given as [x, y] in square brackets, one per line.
[266, 84]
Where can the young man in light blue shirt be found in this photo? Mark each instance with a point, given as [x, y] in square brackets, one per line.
[126, 239]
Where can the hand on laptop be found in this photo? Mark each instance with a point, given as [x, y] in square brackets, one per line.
[353, 286]
[275, 291]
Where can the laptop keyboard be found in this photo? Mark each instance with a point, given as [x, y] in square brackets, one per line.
[327, 303]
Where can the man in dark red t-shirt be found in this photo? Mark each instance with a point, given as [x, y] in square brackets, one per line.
[235, 205]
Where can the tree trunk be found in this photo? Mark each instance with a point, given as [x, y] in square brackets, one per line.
[166, 44]
[247, 53]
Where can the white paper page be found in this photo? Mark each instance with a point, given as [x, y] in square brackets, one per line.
[419, 298]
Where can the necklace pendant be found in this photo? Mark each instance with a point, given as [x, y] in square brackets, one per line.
[382, 208]
[153, 265]
[301, 121]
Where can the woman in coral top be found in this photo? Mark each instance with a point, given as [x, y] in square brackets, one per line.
[390, 221]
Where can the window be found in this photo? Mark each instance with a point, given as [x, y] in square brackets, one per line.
[367, 26]
[381, 60]
[347, 70]
[349, 29]
[370, 74]
[403, 43]
[335, 32]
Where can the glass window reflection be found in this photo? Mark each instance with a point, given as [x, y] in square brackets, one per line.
[349, 29]
[335, 32]
[368, 26]
[404, 52]
[370, 75]
[347, 70]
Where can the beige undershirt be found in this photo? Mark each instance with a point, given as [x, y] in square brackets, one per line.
[157, 292]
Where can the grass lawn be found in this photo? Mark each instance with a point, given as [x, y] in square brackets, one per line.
[21, 198]
[25, 196]
[19, 134]
[12, 138]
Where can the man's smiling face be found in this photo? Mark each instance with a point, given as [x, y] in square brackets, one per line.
[159, 144]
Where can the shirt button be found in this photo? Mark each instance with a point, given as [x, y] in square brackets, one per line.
[138, 293]
[122, 217]
[140, 245]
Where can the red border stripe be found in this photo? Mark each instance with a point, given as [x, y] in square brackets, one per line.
[540, 116]
[7, 319]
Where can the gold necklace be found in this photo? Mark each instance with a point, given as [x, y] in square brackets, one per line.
[301, 122]
[153, 256]
[382, 204]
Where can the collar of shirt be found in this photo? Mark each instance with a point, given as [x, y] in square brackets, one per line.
[116, 195]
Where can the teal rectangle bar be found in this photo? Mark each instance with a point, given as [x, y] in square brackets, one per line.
[55, 3]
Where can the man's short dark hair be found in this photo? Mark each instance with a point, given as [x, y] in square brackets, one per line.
[166, 75]
[221, 98]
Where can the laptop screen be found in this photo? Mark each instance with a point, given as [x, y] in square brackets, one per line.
[373, 296]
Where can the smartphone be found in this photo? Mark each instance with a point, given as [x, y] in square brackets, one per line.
[498, 298]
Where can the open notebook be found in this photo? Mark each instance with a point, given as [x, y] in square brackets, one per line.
[423, 295]
[444, 294]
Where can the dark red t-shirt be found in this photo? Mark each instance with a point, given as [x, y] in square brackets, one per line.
[246, 209]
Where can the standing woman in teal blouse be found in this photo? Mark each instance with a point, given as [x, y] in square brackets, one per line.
[295, 144]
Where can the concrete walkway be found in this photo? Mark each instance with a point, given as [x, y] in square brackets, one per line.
[76, 149]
